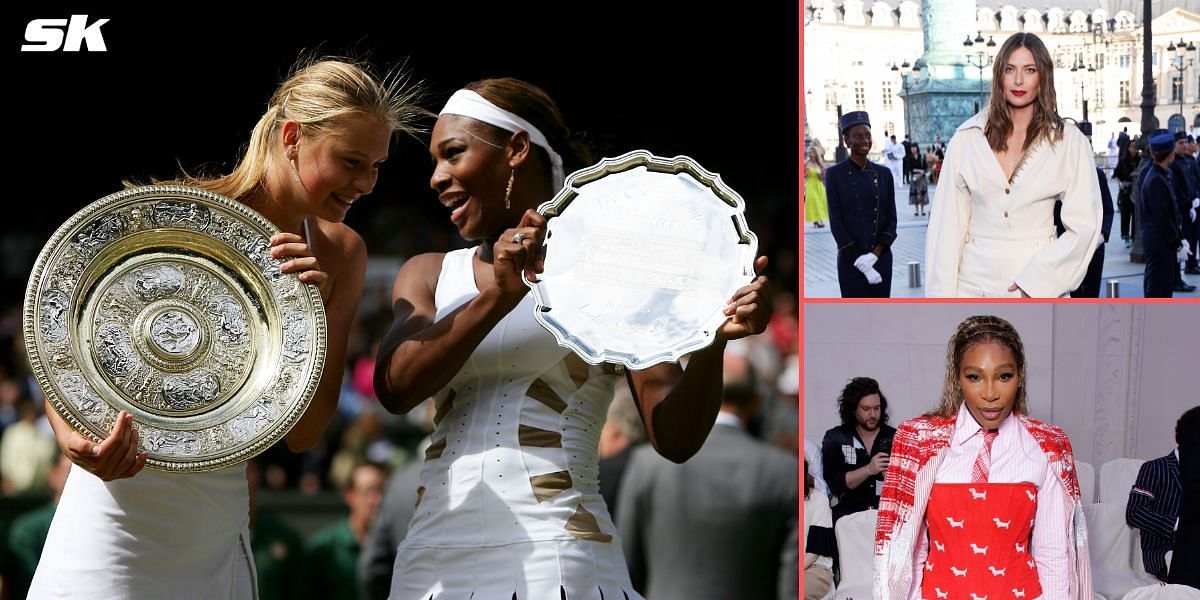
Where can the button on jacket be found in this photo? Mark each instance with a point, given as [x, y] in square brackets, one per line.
[987, 232]
[862, 206]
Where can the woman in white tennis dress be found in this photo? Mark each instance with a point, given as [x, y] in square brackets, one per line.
[509, 505]
[121, 532]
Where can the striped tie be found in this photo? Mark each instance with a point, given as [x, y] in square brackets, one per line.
[983, 461]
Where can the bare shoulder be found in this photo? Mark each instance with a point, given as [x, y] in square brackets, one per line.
[337, 241]
[418, 274]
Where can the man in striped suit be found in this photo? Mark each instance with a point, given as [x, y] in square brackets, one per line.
[1154, 505]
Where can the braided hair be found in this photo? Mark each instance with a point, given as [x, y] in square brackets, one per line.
[971, 332]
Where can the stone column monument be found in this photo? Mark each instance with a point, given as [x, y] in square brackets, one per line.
[944, 92]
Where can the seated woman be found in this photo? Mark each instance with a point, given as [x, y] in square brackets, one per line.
[817, 540]
[979, 499]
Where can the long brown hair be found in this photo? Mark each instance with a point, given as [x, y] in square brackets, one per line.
[978, 330]
[1045, 108]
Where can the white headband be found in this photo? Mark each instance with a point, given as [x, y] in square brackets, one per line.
[470, 104]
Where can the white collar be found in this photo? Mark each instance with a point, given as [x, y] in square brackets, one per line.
[729, 419]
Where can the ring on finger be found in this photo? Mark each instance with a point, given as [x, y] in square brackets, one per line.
[519, 237]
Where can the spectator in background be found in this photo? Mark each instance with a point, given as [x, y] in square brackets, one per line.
[784, 328]
[1154, 501]
[378, 556]
[27, 535]
[278, 549]
[1124, 174]
[27, 451]
[718, 525]
[1185, 563]
[854, 455]
[332, 553]
[817, 539]
[622, 432]
[812, 466]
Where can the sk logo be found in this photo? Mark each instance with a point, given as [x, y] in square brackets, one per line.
[47, 35]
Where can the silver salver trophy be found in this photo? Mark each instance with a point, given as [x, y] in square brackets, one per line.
[165, 302]
[642, 254]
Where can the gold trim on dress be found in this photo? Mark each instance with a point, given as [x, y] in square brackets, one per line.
[550, 485]
[435, 449]
[584, 526]
[444, 408]
[539, 438]
[577, 369]
[542, 392]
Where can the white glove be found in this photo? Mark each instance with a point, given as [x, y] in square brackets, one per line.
[1184, 251]
[1195, 202]
[873, 276]
[865, 262]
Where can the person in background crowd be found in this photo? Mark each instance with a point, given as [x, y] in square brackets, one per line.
[918, 189]
[27, 534]
[717, 526]
[1155, 498]
[1162, 238]
[622, 433]
[1125, 175]
[1185, 563]
[855, 454]
[332, 553]
[817, 540]
[816, 207]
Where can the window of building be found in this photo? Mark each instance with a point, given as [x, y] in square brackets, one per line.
[830, 94]
[860, 96]
[1124, 93]
[1123, 60]
[1176, 89]
[887, 95]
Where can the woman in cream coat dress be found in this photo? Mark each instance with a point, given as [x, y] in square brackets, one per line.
[991, 230]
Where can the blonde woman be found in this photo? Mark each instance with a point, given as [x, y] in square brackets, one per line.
[991, 229]
[120, 532]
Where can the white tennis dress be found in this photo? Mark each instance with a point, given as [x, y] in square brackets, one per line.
[155, 535]
[509, 502]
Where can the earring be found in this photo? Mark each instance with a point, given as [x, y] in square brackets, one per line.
[508, 190]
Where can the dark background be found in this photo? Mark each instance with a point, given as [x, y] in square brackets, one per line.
[186, 84]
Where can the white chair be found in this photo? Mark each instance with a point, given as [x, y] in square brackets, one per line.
[1116, 479]
[1087, 481]
[1110, 549]
[1162, 591]
[856, 554]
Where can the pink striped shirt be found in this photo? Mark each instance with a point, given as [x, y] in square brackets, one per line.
[1016, 458]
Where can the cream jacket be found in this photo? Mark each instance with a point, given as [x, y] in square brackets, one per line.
[986, 232]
